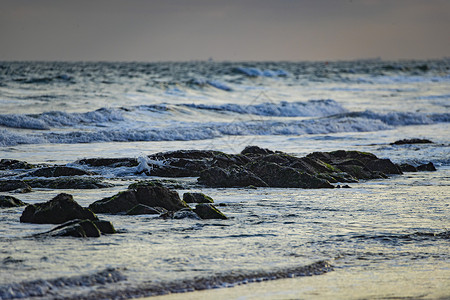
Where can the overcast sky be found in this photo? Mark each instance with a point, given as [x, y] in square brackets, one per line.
[180, 30]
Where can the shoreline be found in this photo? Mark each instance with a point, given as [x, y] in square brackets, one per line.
[399, 282]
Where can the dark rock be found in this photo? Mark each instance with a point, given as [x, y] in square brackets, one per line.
[60, 209]
[197, 198]
[209, 211]
[145, 193]
[256, 150]
[385, 166]
[412, 141]
[142, 209]
[12, 164]
[426, 167]
[279, 176]
[9, 201]
[105, 227]
[75, 228]
[231, 177]
[109, 162]
[14, 185]
[407, 168]
[158, 196]
[68, 183]
[119, 203]
[360, 165]
[57, 172]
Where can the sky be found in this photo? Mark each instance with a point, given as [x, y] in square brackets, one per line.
[229, 30]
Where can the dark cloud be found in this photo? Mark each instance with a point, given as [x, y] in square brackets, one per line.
[225, 30]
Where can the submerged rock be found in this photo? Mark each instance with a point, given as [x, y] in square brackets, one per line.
[197, 198]
[58, 171]
[14, 185]
[407, 168]
[144, 193]
[81, 228]
[9, 201]
[142, 209]
[68, 183]
[426, 167]
[109, 162]
[60, 209]
[412, 141]
[209, 211]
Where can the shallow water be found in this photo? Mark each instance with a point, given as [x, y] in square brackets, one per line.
[369, 234]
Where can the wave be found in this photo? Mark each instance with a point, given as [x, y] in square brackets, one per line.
[47, 120]
[52, 287]
[132, 131]
[402, 118]
[103, 116]
[84, 287]
[255, 72]
[311, 108]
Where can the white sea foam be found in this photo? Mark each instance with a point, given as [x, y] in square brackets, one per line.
[317, 108]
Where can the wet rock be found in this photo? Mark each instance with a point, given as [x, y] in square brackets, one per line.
[279, 176]
[412, 141]
[109, 162]
[231, 177]
[360, 165]
[68, 183]
[209, 211]
[9, 201]
[426, 167]
[12, 164]
[144, 193]
[185, 213]
[75, 228]
[14, 185]
[385, 166]
[197, 198]
[256, 150]
[105, 227]
[60, 209]
[119, 203]
[58, 171]
[142, 209]
[407, 168]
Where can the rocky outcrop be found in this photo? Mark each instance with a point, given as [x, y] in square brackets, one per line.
[209, 211]
[140, 193]
[14, 185]
[60, 209]
[9, 201]
[412, 141]
[12, 164]
[58, 171]
[69, 182]
[197, 198]
[234, 176]
[109, 162]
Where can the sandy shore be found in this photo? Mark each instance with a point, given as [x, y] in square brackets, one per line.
[393, 283]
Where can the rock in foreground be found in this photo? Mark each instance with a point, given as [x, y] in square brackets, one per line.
[60, 209]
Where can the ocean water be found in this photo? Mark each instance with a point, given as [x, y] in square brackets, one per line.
[394, 228]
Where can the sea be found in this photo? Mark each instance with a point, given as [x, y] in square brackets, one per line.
[379, 239]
